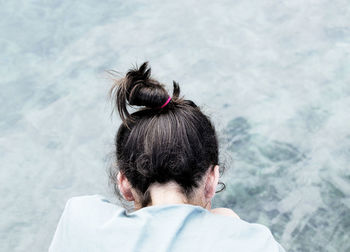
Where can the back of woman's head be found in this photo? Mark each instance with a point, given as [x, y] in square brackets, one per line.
[175, 142]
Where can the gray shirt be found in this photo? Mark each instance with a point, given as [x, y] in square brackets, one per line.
[91, 223]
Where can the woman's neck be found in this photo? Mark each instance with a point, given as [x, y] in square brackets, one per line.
[165, 194]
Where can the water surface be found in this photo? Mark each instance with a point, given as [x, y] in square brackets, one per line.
[273, 76]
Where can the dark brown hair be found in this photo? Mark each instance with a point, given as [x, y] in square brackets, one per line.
[174, 143]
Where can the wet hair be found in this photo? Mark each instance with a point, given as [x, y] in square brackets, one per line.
[174, 143]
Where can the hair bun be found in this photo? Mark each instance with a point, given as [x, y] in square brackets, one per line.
[138, 88]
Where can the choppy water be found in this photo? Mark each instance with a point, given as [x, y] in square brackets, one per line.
[274, 76]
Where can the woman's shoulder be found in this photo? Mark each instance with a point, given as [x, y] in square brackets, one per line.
[95, 208]
[87, 200]
[224, 211]
[242, 233]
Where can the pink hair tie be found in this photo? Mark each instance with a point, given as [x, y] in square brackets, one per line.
[166, 102]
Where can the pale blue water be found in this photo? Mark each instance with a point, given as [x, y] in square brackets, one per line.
[274, 77]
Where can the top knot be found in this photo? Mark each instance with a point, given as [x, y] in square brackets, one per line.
[139, 89]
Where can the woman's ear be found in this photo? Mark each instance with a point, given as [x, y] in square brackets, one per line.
[211, 182]
[125, 187]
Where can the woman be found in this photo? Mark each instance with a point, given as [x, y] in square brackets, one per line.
[167, 165]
